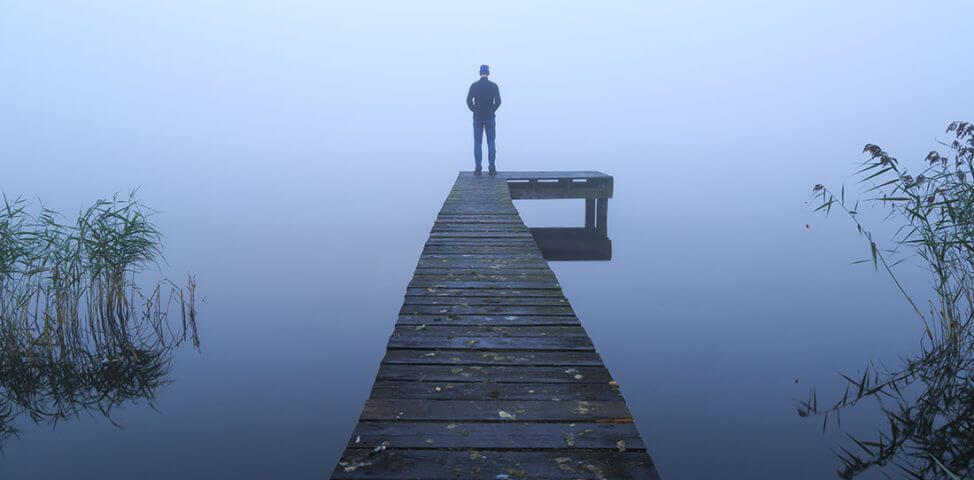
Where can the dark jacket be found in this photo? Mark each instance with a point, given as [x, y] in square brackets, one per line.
[483, 99]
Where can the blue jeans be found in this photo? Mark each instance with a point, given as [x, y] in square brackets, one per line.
[479, 125]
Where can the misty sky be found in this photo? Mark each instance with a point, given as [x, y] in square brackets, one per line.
[189, 92]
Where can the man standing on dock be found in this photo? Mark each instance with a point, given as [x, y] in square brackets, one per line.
[483, 99]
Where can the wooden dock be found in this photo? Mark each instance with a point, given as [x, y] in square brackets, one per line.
[489, 373]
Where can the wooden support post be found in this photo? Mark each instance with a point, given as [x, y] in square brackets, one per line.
[590, 213]
[602, 208]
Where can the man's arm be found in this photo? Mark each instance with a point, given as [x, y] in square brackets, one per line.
[497, 97]
[470, 98]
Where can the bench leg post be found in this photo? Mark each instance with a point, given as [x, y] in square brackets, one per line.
[589, 213]
[602, 212]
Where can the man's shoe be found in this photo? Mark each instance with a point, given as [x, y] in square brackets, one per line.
[493, 172]
[477, 172]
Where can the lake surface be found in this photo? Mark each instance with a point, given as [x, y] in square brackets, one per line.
[706, 327]
[298, 156]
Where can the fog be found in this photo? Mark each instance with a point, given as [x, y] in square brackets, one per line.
[298, 152]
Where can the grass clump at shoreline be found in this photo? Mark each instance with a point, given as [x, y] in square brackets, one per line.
[76, 330]
[928, 400]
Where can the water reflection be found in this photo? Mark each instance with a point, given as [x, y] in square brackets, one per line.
[45, 387]
[572, 243]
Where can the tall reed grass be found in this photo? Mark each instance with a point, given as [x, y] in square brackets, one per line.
[76, 330]
[928, 400]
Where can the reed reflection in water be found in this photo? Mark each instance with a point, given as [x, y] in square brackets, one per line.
[78, 331]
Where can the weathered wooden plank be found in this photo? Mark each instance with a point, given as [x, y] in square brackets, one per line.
[474, 293]
[491, 320]
[508, 261]
[473, 242]
[512, 436]
[441, 282]
[485, 263]
[497, 343]
[534, 275]
[526, 255]
[494, 243]
[496, 391]
[481, 235]
[482, 252]
[480, 219]
[520, 259]
[496, 410]
[483, 249]
[488, 239]
[472, 200]
[440, 226]
[494, 373]
[474, 211]
[509, 357]
[492, 300]
[553, 175]
[467, 236]
[491, 330]
[408, 309]
[476, 464]
[441, 268]
[462, 230]
[461, 262]
[555, 192]
[535, 272]
[511, 220]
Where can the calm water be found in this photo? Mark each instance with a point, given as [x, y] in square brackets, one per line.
[705, 326]
[299, 154]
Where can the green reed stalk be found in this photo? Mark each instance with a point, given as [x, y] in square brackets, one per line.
[928, 401]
